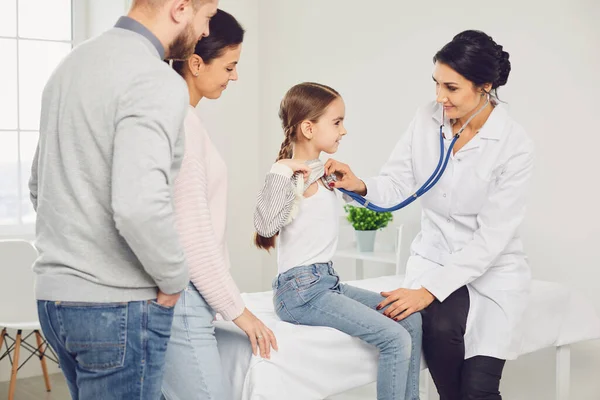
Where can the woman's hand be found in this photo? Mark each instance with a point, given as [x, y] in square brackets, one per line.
[345, 177]
[296, 166]
[404, 302]
[258, 333]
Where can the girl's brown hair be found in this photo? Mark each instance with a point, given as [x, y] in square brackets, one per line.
[305, 101]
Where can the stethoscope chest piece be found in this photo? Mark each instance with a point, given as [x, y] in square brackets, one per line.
[329, 181]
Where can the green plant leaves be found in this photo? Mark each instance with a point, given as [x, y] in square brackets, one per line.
[363, 219]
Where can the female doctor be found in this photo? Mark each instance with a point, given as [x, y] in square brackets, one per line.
[468, 274]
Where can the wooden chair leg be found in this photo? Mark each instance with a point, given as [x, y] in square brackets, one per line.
[42, 349]
[15, 367]
[2, 339]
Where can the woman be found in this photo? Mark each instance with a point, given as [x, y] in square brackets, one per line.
[468, 273]
[193, 366]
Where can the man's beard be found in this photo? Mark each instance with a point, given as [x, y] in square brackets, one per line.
[184, 44]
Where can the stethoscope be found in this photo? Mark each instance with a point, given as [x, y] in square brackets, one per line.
[433, 179]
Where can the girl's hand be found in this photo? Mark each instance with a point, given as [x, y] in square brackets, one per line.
[296, 166]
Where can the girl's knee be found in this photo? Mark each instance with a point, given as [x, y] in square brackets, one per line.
[413, 322]
[395, 339]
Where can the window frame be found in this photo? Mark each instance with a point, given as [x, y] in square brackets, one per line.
[78, 34]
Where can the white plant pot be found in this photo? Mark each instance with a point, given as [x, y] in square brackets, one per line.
[365, 241]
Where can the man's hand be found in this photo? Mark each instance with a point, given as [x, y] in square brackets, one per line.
[167, 300]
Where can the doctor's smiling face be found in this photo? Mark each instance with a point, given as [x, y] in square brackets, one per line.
[466, 70]
[458, 95]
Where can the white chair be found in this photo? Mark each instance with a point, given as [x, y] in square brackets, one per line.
[18, 310]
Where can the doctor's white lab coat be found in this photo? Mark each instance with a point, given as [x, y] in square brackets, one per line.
[469, 224]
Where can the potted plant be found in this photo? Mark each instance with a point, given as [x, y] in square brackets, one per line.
[366, 223]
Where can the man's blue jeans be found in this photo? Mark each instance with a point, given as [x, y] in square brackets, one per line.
[111, 350]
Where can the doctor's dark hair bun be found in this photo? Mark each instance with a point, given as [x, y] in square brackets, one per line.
[477, 57]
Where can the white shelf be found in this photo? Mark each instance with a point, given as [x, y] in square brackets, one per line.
[380, 256]
[387, 257]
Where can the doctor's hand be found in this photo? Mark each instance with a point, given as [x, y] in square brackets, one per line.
[345, 177]
[404, 302]
[258, 333]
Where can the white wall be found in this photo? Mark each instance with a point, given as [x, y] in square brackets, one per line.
[233, 122]
[102, 15]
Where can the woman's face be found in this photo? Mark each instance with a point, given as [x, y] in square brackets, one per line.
[213, 77]
[455, 93]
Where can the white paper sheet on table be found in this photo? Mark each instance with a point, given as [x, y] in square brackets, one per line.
[318, 362]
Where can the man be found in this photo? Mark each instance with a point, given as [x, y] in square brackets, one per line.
[111, 267]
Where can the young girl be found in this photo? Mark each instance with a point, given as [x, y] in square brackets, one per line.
[295, 205]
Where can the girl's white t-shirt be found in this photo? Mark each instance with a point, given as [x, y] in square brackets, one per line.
[312, 237]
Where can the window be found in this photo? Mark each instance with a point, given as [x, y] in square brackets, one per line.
[35, 35]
